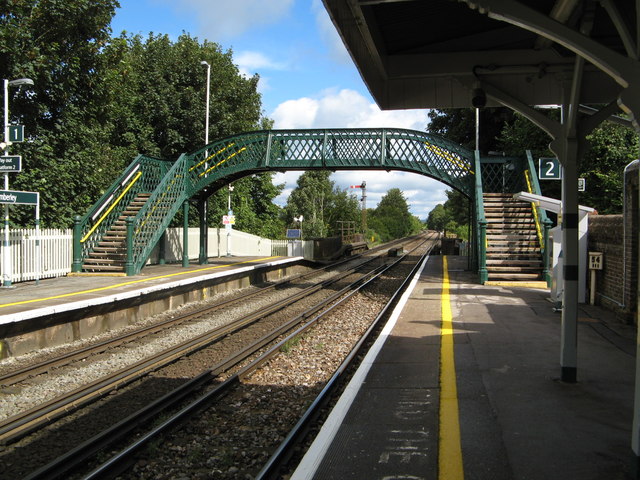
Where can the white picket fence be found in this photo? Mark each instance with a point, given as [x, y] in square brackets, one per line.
[28, 262]
[55, 254]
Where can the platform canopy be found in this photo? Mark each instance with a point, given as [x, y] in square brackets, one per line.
[431, 54]
[580, 54]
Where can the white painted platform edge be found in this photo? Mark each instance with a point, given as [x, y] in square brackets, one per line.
[311, 461]
[66, 307]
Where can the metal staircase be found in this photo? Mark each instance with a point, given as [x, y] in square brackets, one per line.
[120, 231]
[110, 253]
[513, 249]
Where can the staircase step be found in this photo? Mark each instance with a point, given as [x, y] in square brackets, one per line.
[513, 262]
[103, 268]
[514, 276]
[103, 261]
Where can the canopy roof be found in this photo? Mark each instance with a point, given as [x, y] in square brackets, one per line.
[431, 53]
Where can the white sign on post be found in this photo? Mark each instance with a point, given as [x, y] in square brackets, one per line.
[595, 260]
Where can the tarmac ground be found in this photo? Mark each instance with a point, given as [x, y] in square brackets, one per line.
[516, 419]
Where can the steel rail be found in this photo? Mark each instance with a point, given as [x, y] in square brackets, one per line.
[117, 463]
[80, 454]
[16, 376]
[17, 426]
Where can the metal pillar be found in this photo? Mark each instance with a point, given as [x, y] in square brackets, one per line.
[204, 232]
[185, 234]
[570, 251]
[162, 249]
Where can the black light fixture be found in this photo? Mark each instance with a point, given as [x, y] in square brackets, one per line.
[478, 98]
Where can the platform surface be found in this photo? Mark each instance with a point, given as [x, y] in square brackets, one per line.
[517, 419]
[29, 300]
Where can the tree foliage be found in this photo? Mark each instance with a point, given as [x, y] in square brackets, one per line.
[391, 219]
[97, 101]
[322, 205]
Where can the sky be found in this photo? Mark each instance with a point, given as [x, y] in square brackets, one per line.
[307, 78]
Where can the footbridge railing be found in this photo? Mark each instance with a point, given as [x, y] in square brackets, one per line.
[141, 176]
[225, 160]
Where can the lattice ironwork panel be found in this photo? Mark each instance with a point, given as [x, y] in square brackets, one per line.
[158, 211]
[141, 176]
[336, 149]
[503, 175]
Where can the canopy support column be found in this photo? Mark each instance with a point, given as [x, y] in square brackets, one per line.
[204, 231]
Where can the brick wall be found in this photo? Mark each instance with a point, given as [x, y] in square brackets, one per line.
[616, 236]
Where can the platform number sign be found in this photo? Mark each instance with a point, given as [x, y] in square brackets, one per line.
[549, 169]
[16, 133]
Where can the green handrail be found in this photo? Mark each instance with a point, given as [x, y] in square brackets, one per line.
[142, 175]
[541, 218]
[481, 226]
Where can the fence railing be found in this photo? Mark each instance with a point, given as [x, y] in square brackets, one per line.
[55, 254]
[52, 258]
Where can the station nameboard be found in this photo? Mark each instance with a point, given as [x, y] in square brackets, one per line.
[19, 198]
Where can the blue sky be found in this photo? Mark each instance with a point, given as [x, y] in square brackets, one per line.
[307, 79]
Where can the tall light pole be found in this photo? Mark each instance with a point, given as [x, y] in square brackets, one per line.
[206, 121]
[7, 271]
[203, 206]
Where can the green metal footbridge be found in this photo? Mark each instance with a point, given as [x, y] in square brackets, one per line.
[120, 231]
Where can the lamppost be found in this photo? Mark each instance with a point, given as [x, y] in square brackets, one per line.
[206, 121]
[203, 206]
[7, 271]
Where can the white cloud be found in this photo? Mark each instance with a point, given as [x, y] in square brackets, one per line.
[329, 34]
[349, 109]
[343, 109]
[223, 19]
[251, 60]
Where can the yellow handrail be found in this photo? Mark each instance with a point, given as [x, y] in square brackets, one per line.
[222, 161]
[211, 156]
[447, 156]
[534, 207]
[104, 215]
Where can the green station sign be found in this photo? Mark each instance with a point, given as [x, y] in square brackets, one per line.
[16, 133]
[549, 169]
[13, 197]
[10, 163]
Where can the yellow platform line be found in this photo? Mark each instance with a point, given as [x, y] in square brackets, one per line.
[132, 282]
[450, 449]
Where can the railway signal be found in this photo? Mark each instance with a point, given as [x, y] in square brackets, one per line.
[363, 186]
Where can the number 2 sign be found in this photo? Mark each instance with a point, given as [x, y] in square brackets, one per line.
[549, 169]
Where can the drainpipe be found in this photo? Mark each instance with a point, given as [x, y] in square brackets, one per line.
[624, 234]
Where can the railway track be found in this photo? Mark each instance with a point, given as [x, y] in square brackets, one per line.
[342, 284]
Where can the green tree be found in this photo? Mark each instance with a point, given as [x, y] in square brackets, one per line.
[458, 125]
[66, 155]
[252, 205]
[391, 218]
[438, 218]
[311, 199]
[98, 101]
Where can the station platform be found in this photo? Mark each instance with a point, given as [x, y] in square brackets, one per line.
[480, 397]
[58, 310]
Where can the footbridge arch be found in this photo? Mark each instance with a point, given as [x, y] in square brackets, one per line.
[131, 217]
[334, 149]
